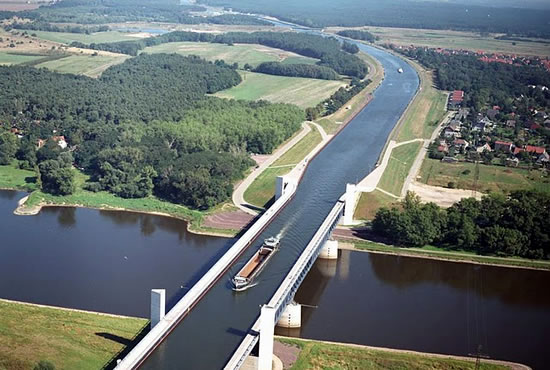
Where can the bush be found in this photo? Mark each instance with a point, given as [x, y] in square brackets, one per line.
[466, 172]
[451, 185]
[44, 365]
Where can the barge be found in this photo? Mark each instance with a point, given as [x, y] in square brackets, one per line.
[244, 278]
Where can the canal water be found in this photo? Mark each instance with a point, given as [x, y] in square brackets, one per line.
[108, 261]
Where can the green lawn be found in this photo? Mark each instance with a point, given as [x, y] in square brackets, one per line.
[88, 65]
[260, 192]
[491, 178]
[322, 355]
[398, 167]
[369, 203]
[10, 59]
[303, 92]
[12, 177]
[67, 339]
[67, 38]
[427, 110]
[451, 255]
[241, 53]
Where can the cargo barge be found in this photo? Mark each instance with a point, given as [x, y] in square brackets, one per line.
[245, 277]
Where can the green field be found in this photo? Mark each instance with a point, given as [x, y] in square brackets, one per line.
[398, 167]
[84, 64]
[323, 355]
[240, 53]
[491, 178]
[260, 192]
[67, 38]
[10, 59]
[425, 113]
[67, 339]
[303, 92]
[11, 177]
[369, 203]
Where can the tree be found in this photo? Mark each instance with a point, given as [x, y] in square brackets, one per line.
[55, 178]
[8, 147]
[44, 365]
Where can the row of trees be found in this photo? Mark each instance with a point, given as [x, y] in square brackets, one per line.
[358, 35]
[485, 84]
[515, 225]
[328, 50]
[45, 26]
[336, 100]
[144, 127]
[297, 70]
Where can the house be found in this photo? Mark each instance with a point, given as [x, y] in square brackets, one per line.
[455, 125]
[492, 113]
[535, 149]
[544, 159]
[449, 133]
[462, 114]
[484, 148]
[461, 143]
[512, 162]
[60, 140]
[456, 98]
[443, 147]
[40, 143]
[534, 126]
[511, 123]
[503, 146]
[449, 159]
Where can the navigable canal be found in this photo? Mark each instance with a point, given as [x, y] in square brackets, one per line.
[108, 261]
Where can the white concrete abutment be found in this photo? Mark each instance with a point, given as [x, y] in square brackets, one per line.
[158, 306]
[284, 184]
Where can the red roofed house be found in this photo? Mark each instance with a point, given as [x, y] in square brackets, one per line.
[456, 98]
[504, 146]
[535, 149]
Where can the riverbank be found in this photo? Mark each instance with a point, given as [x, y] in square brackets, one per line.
[435, 253]
[298, 354]
[69, 339]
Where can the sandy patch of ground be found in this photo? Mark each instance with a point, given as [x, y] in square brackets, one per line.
[443, 197]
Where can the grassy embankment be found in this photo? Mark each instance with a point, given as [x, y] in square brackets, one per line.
[67, 339]
[457, 40]
[262, 190]
[323, 355]
[430, 251]
[418, 122]
[334, 122]
[490, 179]
[12, 177]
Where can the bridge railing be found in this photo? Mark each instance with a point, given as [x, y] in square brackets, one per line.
[155, 337]
[285, 294]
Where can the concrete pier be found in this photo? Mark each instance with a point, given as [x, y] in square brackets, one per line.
[158, 306]
[291, 316]
[283, 184]
[329, 250]
[267, 330]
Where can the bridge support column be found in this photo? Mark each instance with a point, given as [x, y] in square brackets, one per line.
[291, 317]
[349, 206]
[329, 250]
[267, 329]
[283, 184]
[158, 306]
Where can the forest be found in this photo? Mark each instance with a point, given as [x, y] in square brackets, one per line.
[328, 50]
[358, 35]
[399, 13]
[485, 84]
[116, 11]
[297, 70]
[144, 127]
[514, 225]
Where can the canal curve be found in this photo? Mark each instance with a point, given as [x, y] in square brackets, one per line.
[215, 327]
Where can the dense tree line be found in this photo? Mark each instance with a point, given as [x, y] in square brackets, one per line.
[144, 127]
[45, 26]
[515, 225]
[336, 100]
[484, 83]
[297, 70]
[358, 35]
[328, 50]
[400, 13]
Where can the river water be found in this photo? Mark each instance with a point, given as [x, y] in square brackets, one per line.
[75, 258]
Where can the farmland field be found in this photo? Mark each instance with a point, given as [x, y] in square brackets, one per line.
[87, 65]
[456, 40]
[241, 54]
[491, 178]
[10, 59]
[304, 92]
[67, 38]
[18, 5]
